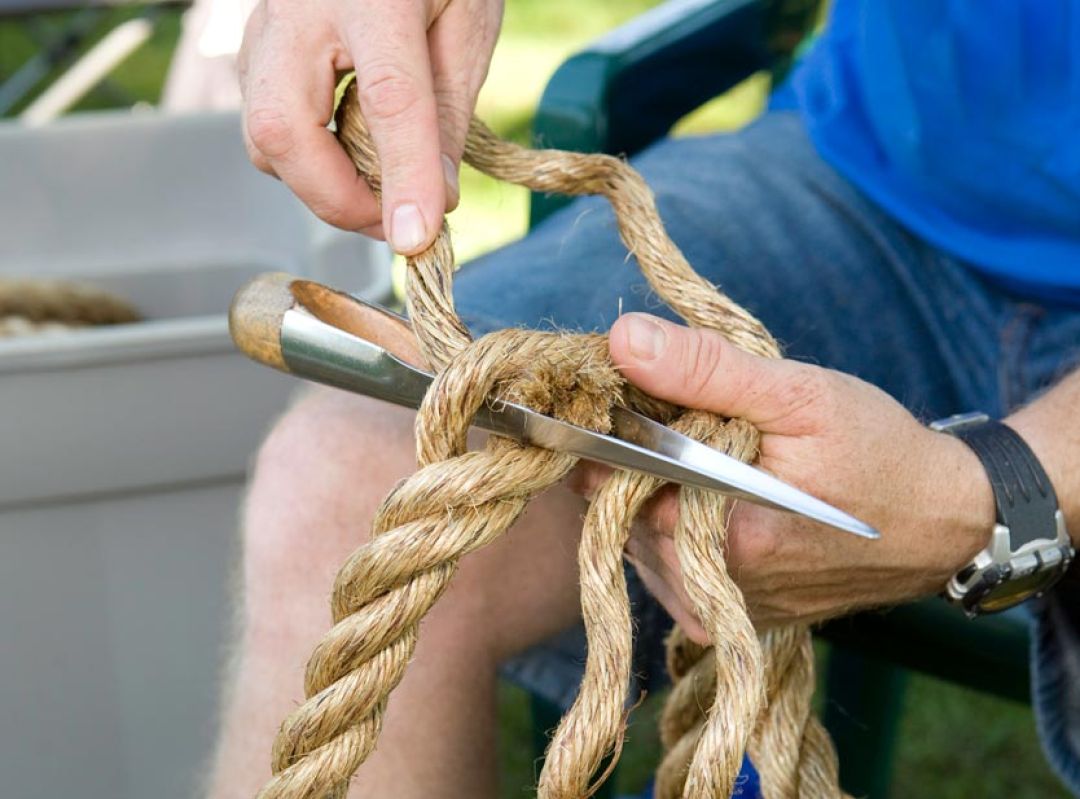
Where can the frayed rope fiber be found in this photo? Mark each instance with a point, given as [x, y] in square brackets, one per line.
[744, 693]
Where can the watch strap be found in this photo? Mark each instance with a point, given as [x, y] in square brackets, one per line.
[1025, 498]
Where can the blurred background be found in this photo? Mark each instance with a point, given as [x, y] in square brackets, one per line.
[116, 519]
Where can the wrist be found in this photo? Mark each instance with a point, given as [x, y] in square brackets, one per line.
[960, 492]
[1030, 549]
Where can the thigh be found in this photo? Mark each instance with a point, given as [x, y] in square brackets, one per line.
[318, 482]
[762, 217]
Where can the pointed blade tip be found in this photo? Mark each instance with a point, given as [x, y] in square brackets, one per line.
[866, 531]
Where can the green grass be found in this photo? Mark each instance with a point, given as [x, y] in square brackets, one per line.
[953, 744]
[519, 767]
[957, 744]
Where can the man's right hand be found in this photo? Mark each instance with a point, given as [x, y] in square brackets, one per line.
[419, 67]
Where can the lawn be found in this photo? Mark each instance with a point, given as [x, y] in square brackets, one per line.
[953, 744]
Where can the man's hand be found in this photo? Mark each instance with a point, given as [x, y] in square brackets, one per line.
[419, 67]
[831, 435]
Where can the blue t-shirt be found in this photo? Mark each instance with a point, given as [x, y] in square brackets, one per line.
[962, 119]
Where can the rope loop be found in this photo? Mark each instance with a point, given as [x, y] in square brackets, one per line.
[742, 693]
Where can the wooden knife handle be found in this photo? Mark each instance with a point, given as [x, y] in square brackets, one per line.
[259, 307]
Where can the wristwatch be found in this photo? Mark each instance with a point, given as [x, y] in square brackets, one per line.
[1029, 547]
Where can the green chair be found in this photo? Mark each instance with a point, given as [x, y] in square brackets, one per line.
[627, 90]
[64, 33]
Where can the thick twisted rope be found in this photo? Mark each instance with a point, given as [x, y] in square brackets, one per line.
[743, 692]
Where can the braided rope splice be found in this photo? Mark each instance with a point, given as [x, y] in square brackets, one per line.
[744, 693]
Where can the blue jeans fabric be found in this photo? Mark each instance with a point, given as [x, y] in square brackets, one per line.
[840, 284]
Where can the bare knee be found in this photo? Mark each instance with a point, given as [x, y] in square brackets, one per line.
[317, 481]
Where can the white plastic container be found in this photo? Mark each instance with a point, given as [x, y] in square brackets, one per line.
[123, 450]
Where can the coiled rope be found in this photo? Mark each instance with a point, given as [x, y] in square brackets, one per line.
[745, 693]
[29, 306]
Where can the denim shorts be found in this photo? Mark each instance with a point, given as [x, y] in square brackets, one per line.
[839, 283]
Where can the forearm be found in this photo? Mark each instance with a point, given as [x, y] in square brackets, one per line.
[1051, 427]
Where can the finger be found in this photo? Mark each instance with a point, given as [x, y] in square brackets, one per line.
[453, 103]
[586, 478]
[460, 45]
[255, 155]
[289, 100]
[755, 535]
[253, 32]
[394, 87]
[661, 512]
[374, 231]
[701, 369]
[666, 587]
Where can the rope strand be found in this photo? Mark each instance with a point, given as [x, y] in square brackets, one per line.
[742, 692]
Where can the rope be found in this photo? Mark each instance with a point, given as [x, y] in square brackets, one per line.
[41, 306]
[743, 693]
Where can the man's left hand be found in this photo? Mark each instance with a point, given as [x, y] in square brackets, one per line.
[830, 434]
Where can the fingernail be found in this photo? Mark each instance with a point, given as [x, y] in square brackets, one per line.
[407, 230]
[453, 188]
[647, 339]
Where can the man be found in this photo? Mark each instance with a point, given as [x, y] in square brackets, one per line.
[907, 217]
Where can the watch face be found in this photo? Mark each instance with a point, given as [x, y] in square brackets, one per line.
[1013, 592]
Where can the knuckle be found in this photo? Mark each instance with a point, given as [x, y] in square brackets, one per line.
[663, 512]
[753, 540]
[256, 157]
[809, 389]
[336, 214]
[374, 231]
[269, 131]
[694, 630]
[454, 114]
[253, 153]
[701, 355]
[759, 546]
[387, 91]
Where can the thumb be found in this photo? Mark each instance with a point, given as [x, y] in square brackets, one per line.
[702, 369]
